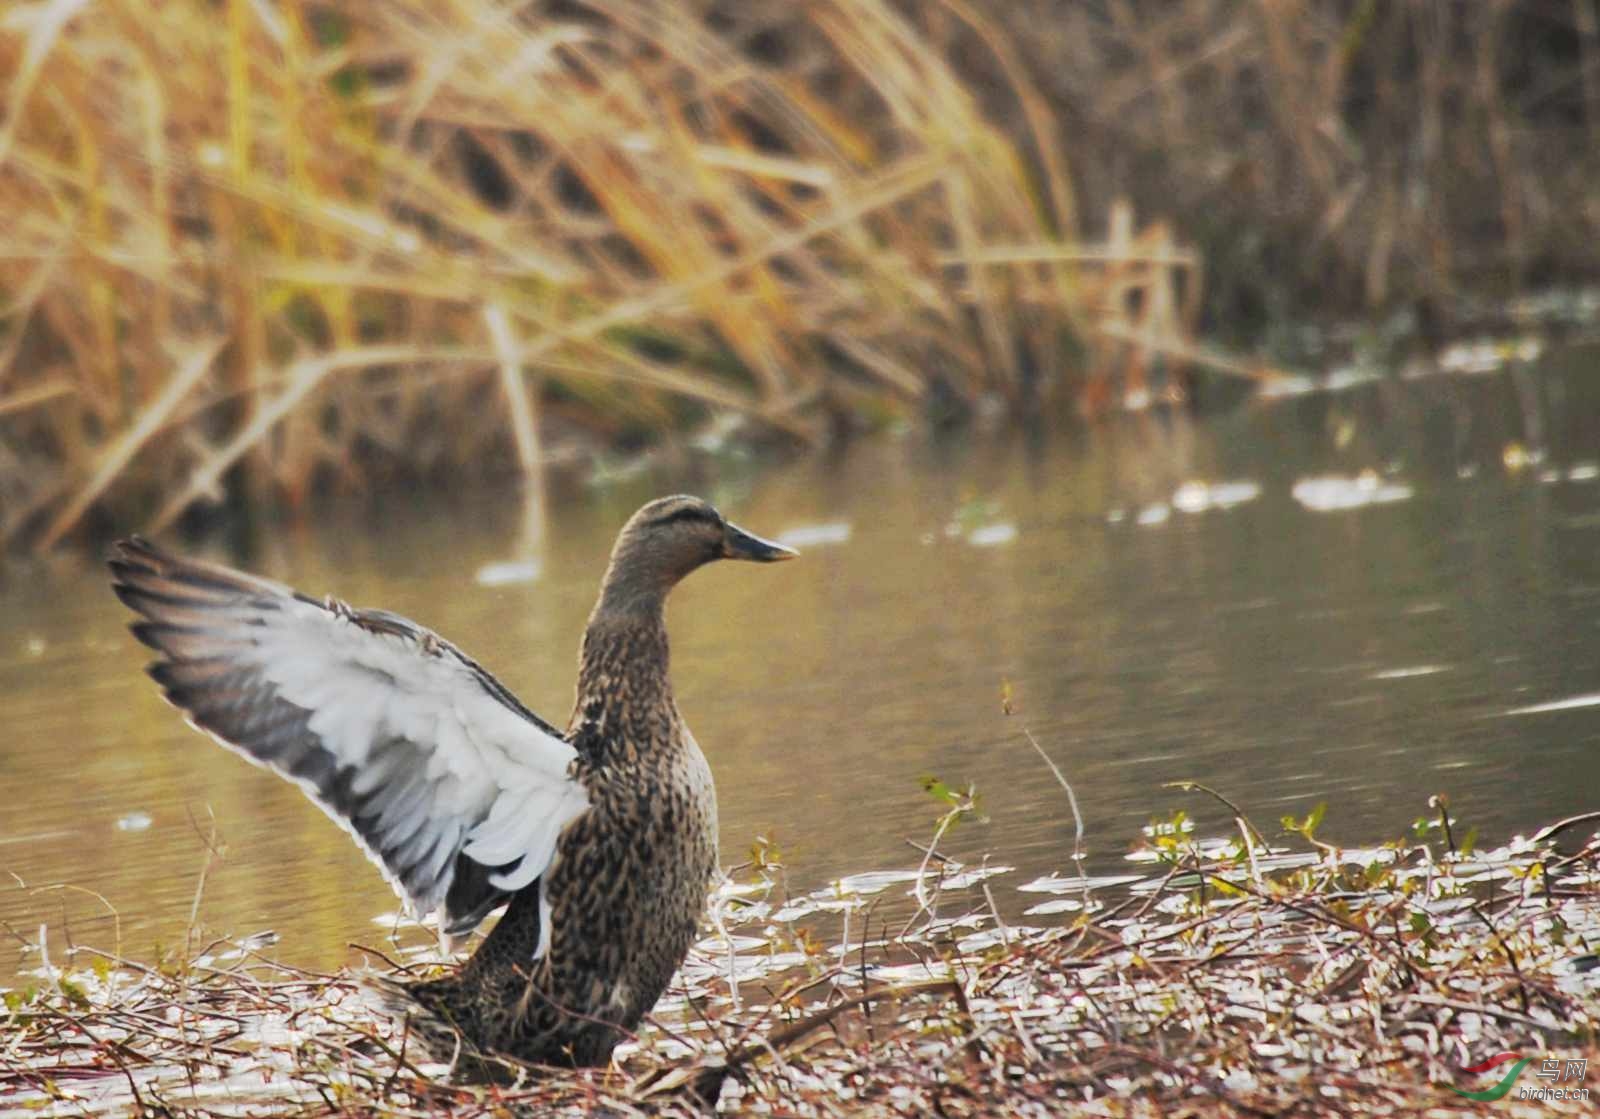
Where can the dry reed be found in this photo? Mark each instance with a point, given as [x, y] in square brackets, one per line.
[1332, 157]
[264, 248]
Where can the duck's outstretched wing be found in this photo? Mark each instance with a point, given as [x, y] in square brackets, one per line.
[448, 783]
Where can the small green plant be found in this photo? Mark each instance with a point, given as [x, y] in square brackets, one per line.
[1443, 826]
[959, 803]
[765, 854]
[1306, 828]
[1169, 838]
[20, 999]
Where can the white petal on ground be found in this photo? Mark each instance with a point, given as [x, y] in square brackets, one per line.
[1054, 905]
[1072, 883]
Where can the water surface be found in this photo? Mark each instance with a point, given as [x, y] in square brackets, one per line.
[1443, 636]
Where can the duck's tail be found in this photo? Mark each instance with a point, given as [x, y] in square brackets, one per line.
[431, 1011]
[440, 1026]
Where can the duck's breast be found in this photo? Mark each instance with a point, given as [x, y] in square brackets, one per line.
[629, 888]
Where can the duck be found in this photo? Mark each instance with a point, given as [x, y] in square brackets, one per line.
[600, 840]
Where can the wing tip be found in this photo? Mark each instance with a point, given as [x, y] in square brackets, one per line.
[180, 694]
[130, 558]
[154, 583]
[142, 602]
[134, 552]
[145, 631]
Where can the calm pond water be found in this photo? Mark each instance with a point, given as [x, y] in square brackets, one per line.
[1280, 650]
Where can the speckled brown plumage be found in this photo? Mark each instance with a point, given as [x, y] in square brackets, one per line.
[601, 840]
[629, 882]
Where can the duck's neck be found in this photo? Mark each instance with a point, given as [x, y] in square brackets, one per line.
[624, 696]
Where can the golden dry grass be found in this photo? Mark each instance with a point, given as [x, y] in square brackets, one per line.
[310, 239]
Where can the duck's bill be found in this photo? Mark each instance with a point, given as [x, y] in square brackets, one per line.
[741, 545]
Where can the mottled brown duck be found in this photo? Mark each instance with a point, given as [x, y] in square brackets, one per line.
[601, 841]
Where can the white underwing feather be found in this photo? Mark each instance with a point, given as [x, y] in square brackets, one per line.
[411, 746]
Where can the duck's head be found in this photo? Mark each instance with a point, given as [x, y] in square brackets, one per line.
[666, 540]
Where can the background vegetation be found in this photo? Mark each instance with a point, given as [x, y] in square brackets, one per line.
[265, 248]
[1340, 156]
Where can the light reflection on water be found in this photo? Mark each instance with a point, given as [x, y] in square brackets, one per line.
[1365, 656]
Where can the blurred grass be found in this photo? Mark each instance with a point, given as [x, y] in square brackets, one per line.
[254, 249]
[322, 243]
[1339, 158]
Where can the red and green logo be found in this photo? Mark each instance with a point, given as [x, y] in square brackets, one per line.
[1506, 1082]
